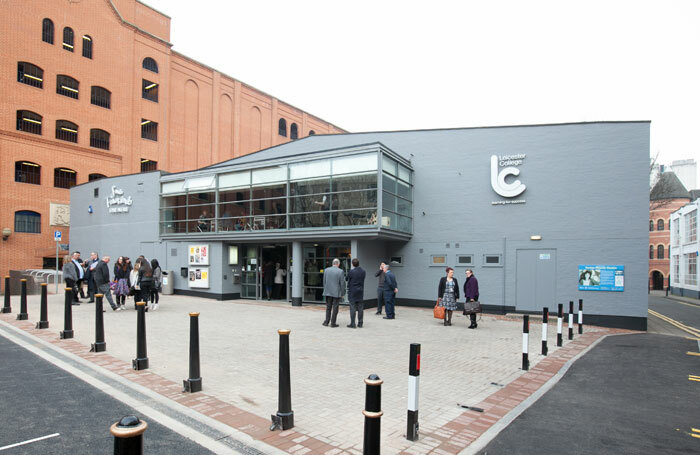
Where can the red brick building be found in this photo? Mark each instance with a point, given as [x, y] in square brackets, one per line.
[668, 195]
[93, 89]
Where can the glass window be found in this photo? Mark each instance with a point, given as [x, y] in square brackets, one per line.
[93, 177]
[691, 226]
[27, 172]
[268, 192]
[312, 132]
[172, 187]
[651, 225]
[47, 31]
[150, 65]
[66, 131]
[676, 269]
[269, 175]
[99, 139]
[492, 260]
[282, 127]
[100, 96]
[294, 131]
[149, 129]
[691, 268]
[309, 169]
[354, 163]
[403, 189]
[30, 74]
[404, 173]
[438, 259]
[87, 46]
[651, 251]
[68, 39]
[29, 122]
[67, 86]
[148, 165]
[28, 222]
[234, 179]
[465, 259]
[389, 201]
[64, 178]
[149, 90]
[660, 252]
[660, 225]
[388, 183]
[389, 165]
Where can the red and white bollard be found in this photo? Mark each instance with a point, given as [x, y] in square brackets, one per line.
[413, 382]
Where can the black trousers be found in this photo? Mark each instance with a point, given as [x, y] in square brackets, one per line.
[332, 309]
[72, 284]
[358, 307]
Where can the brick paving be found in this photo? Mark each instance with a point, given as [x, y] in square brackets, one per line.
[239, 343]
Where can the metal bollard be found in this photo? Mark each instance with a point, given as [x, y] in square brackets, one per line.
[194, 383]
[128, 435]
[545, 320]
[23, 315]
[560, 313]
[571, 319]
[67, 331]
[141, 360]
[284, 419]
[373, 415]
[7, 307]
[580, 316]
[526, 335]
[99, 345]
[413, 382]
[44, 319]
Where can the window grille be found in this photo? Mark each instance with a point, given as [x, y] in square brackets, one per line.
[148, 165]
[28, 222]
[282, 127]
[66, 131]
[47, 31]
[64, 178]
[294, 131]
[150, 65]
[68, 39]
[660, 225]
[67, 86]
[29, 122]
[30, 74]
[99, 139]
[660, 252]
[149, 90]
[100, 97]
[149, 130]
[87, 46]
[27, 172]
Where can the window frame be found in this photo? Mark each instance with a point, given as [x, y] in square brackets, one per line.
[96, 176]
[47, 33]
[146, 64]
[96, 98]
[25, 74]
[66, 131]
[97, 142]
[149, 130]
[282, 127]
[484, 262]
[29, 125]
[27, 222]
[651, 225]
[30, 169]
[61, 174]
[461, 264]
[651, 251]
[660, 251]
[87, 49]
[149, 90]
[64, 86]
[68, 39]
[434, 264]
[147, 167]
[294, 131]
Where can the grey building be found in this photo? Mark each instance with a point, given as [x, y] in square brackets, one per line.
[543, 214]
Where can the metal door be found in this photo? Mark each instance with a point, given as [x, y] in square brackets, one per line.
[536, 280]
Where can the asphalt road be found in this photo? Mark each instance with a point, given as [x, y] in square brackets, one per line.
[683, 312]
[39, 399]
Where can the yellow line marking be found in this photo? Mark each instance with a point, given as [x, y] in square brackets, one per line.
[695, 430]
[693, 353]
[694, 379]
[696, 435]
[691, 330]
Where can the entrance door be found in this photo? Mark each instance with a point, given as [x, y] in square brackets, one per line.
[657, 280]
[536, 278]
[249, 278]
[271, 255]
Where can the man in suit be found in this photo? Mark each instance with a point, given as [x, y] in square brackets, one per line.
[333, 291]
[90, 265]
[380, 288]
[356, 293]
[390, 290]
[81, 276]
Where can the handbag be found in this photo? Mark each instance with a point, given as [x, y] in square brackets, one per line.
[438, 311]
[472, 307]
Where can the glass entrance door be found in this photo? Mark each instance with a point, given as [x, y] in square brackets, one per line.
[250, 277]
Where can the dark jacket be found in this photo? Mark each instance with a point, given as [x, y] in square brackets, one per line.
[380, 275]
[390, 282]
[90, 273]
[356, 284]
[471, 288]
[145, 273]
[120, 272]
[101, 273]
[443, 284]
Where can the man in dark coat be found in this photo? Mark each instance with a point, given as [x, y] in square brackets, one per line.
[380, 288]
[356, 293]
[471, 292]
[101, 277]
[391, 288]
[90, 265]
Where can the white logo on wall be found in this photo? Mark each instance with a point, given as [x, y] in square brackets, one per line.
[498, 179]
[116, 202]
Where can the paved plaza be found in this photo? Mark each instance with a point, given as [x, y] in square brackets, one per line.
[239, 367]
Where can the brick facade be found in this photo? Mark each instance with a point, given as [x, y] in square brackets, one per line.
[203, 116]
[662, 237]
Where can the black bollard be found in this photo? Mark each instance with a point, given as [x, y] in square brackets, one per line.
[571, 319]
[7, 308]
[373, 415]
[526, 335]
[560, 313]
[545, 320]
[413, 381]
[580, 316]
[141, 360]
[67, 331]
[99, 345]
[23, 316]
[284, 419]
[194, 383]
[44, 319]
[128, 435]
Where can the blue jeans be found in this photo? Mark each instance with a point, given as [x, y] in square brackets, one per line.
[389, 297]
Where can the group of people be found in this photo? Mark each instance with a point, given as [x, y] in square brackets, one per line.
[142, 280]
[273, 279]
[448, 294]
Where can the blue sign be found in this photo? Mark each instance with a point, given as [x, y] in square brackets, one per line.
[57, 236]
[601, 278]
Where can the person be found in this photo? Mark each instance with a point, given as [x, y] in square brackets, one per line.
[81, 276]
[333, 290]
[145, 280]
[356, 293]
[471, 293]
[70, 276]
[101, 278]
[89, 266]
[203, 223]
[280, 273]
[390, 290]
[134, 287]
[157, 283]
[448, 294]
[268, 278]
[586, 278]
[380, 288]
[121, 276]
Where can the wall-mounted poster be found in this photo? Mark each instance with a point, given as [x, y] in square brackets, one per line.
[601, 278]
[198, 254]
[198, 277]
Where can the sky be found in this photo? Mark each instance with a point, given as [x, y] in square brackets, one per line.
[398, 65]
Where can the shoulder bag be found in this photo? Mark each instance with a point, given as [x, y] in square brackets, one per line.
[438, 311]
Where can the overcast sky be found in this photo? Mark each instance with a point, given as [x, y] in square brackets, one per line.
[394, 65]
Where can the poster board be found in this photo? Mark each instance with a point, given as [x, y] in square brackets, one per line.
[601, 278]
[198, 277]
[198, 254]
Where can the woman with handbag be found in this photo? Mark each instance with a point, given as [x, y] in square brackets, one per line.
[448, 293]
[471, 292]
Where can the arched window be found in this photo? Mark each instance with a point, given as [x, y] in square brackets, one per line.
[30, 74]
[66, 131]
[294, 131]
[47, 31]
[99, 139]
[282, 127]
[100, 96]
[93, 177]
[660, 225]
[150, 64]
[651, 225]
[27, 172]
[312, 132]
[87, 46]
[28, 222]
[660, 252]
[67, 86]
[29, 122]
[64, 178]
[68, 39]
[651, 251]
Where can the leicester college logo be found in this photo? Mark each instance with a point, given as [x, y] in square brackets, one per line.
[498, 179]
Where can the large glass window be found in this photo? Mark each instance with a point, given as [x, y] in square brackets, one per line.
[691, 226]
[397, 207]
[27, 172]
[660, 252]
[28, 222]
[30, 74]
[691, 268]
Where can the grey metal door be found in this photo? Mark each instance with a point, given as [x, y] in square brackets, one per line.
[536, 280]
